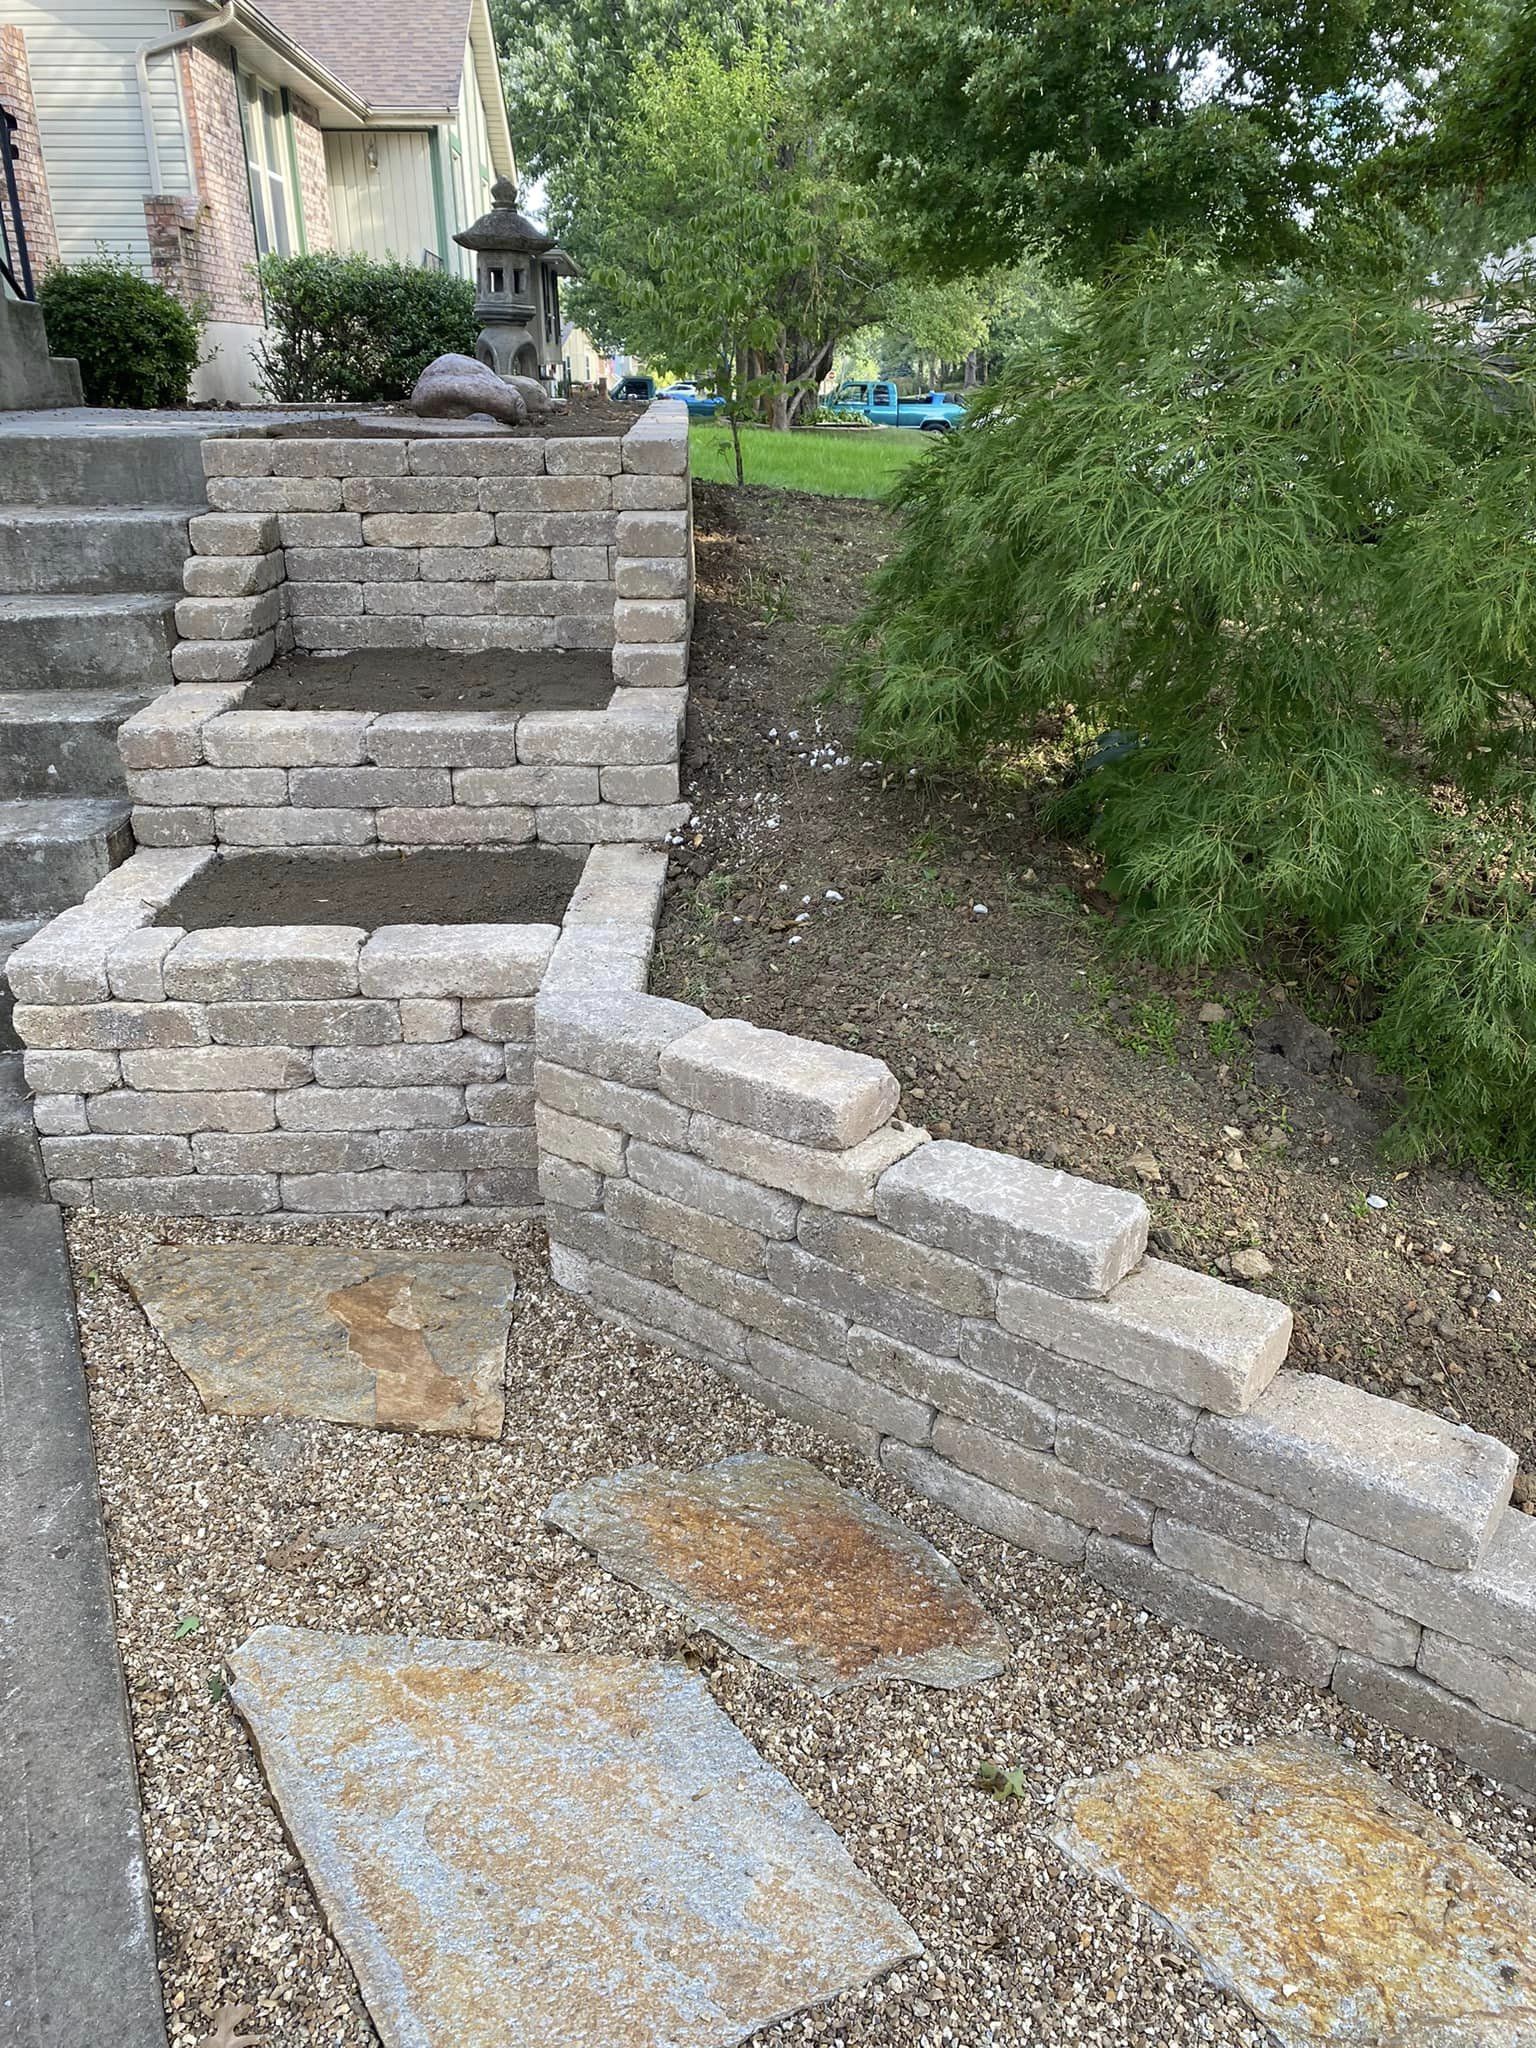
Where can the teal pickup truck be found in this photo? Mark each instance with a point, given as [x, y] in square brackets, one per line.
[883, 405]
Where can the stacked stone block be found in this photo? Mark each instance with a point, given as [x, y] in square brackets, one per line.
[313, 1070]
[204, 771]
[467, 543]
[994, 1335]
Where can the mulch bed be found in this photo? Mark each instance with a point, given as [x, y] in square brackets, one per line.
[936, 924]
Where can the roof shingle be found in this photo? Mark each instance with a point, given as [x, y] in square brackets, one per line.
[406, 54]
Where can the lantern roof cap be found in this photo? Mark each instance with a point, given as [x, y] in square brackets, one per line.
[504, 227]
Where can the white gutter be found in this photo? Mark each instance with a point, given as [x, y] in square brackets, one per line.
[224, 19]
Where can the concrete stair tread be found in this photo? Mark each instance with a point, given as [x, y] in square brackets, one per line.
[84, 706]
[53, 547]
[21, 1166]
[25, 607]
[76, 515]
[55, 820]
[58, 641]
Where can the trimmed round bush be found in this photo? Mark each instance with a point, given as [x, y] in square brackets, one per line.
[349, 329]
[135, 342]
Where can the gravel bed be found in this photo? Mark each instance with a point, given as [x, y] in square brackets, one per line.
[237, 1523]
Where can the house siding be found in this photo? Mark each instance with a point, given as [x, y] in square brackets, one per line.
[31, 178]
[87, 98]
[471, 160]
[381, 193]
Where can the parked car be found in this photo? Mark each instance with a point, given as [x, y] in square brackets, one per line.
[633, 391]
[702, 405]
[882, 404]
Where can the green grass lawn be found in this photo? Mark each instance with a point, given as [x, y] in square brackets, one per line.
[852, 465]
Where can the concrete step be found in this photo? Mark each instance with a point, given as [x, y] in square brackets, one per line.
[89, 549]
[77, 1927]
[12, 936]
[29, 376]
[53, 849]
[62, 641]
[64, 742]
[49, 465]
[21, 1164]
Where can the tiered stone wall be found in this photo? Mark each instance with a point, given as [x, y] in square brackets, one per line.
[466, 543]
[993, 1334]
[316, 1070]
[202, 771]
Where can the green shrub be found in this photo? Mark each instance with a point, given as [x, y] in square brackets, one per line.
[135, 342]
[362, 332]
[1279, 535]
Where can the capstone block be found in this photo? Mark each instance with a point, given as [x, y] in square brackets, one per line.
[263, 963]
[1433, 1488]
[457, 960]
[1066, 1234]
[789, 1088]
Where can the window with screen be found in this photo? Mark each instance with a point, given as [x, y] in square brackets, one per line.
[266, 156]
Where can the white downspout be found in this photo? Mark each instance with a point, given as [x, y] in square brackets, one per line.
[224, 19]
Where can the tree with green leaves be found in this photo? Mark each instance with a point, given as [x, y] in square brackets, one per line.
[723, 245]
[567, 69]
[1273, 537]
[990, 127]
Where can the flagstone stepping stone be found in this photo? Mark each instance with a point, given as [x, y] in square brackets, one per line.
[1338, 1910]
[392, 1340]
[797, 1573]
[521, 1849]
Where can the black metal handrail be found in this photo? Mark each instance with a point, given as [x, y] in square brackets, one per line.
[15, 258]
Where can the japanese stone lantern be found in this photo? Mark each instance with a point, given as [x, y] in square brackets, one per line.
[507, 249]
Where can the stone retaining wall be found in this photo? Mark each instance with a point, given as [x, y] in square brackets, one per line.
[203, 771]
[993, 1334]
[455, 540]
[316, 1070]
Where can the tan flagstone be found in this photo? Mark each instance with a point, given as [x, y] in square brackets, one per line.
[392, 1340]
[522, 1849]
[792, 1570]
[1340, 1911]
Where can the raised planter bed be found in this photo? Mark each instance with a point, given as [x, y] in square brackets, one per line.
[365, 1049]
[423, 534]
[405, 748]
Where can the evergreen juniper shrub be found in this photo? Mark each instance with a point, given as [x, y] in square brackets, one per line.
[1283, 533]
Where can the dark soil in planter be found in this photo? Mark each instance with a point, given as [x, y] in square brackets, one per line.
[582, 416]
[422, 679]
[438, 885]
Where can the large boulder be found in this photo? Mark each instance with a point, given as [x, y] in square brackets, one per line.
[455, 387]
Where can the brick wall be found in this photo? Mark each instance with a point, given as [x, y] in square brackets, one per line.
[31, 177]
[314, 182]
[206, 253]
[992, 1334]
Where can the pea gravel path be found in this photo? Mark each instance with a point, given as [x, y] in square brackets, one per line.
[237, 1523]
